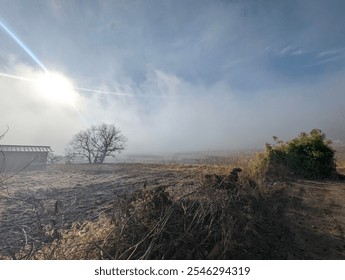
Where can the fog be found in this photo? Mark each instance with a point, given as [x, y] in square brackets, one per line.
[163, 114]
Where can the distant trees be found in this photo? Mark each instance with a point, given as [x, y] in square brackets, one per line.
[96, 143]
[53, 158]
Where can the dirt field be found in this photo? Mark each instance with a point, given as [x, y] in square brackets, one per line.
[63, 194]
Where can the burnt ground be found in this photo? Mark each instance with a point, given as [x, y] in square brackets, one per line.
[32, 201]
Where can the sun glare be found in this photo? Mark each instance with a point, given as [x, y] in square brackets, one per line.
[57, 89]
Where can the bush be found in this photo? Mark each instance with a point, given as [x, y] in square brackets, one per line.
[307, 156]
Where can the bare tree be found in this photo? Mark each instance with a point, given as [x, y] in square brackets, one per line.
[97, 143]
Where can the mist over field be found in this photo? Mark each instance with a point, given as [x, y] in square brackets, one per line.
[174, 76]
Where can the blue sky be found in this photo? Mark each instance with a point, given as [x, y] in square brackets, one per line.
[174, 75]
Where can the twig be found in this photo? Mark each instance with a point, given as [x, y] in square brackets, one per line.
[103, 251]
[25, 235]
[3, 134]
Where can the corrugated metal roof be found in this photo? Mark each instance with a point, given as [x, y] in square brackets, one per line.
[21, 148]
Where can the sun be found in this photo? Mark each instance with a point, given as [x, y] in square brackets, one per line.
[57, 89]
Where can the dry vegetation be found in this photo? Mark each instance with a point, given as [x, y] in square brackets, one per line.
[171, 211]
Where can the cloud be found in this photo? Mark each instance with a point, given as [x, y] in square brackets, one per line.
[297, 52]
[332, 52]
[287, 51]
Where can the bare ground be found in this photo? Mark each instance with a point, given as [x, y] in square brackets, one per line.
[316, 212]
[64, 194]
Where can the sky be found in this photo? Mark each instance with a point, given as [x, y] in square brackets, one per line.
[172, 75]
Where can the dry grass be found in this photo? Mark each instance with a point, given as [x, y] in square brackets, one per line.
[206, 217]
[340, 155]
[216, 218]
[152, 226]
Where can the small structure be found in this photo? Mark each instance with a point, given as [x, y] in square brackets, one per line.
[19, 157]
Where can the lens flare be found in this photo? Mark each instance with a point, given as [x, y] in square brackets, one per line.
[50, 75]
[23, 46]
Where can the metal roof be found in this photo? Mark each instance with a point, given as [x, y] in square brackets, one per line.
[21, 148]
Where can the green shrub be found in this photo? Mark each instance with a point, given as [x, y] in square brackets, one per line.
[308, 156]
